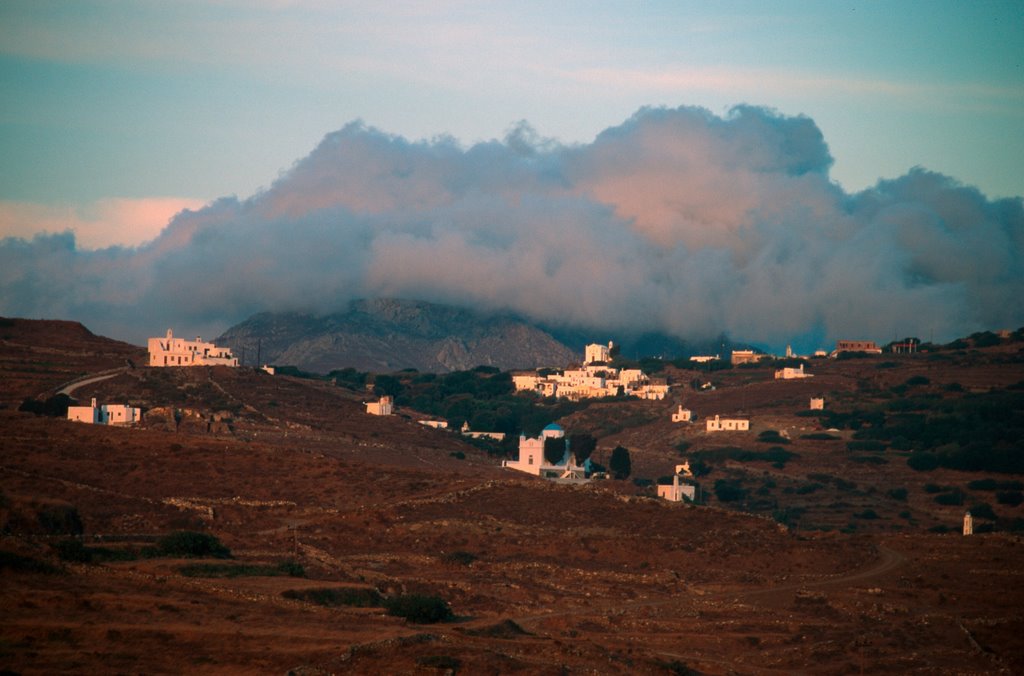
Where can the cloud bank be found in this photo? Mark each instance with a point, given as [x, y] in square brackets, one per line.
[677, 221]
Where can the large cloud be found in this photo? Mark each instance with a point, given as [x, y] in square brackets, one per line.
[676, 220]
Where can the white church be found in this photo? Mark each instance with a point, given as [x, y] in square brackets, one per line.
[532, 461]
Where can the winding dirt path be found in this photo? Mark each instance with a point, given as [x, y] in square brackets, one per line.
[88, 380]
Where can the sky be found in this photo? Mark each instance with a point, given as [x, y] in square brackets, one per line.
[746, 128]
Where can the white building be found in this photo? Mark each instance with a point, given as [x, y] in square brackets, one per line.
[789, 373]
[704, 358]
[436, 424]
[968, 524]
[107, 414]
[532, 461]
[682, 415]
[744, 357]
[595, 352]
[594, 379]
[676, 491]
[817, 403]
[171, 351]
[718, 424]
[385, 406]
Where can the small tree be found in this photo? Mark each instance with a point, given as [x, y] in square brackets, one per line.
[619, 463]
[554, 449]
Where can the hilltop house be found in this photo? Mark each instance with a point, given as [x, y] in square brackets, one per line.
[171, 351]
[107, 414]
[386, 406]
[867, 346]
[817, 404]
[676, 491]
[718, 424]
[597, 353]
[744, 357]
[532, 461]
[593, 380]
[789, 373]
[682, 415]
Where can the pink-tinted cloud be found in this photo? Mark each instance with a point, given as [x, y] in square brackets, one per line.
[677, 220]
[109, 222]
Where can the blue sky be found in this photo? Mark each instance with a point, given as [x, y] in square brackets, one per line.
[114, 107]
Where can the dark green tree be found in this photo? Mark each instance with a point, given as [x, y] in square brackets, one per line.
[385, 384]
[582, 446]
[620, 464]
[554, 449]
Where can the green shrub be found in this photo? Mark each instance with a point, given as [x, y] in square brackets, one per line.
[869, 459]
[231, 570]
[23, 564]
[60, 520]
[458, 455]
[866, 514]
[955, 498]
[76, 551]
[820, 436]
[865, 445]
[982, 510]
[923, 462]
[419, 609]
[898, 494]
[337, 596]
[772, 437]
[727, 490]
[191, 544]
[1012, 498]
[452, 664]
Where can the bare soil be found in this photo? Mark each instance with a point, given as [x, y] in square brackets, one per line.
[542, 578]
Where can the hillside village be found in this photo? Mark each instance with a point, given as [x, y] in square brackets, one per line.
[748, 505]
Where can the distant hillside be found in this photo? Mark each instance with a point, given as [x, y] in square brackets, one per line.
[388, 335]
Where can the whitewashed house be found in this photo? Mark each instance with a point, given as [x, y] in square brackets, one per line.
[718, 424]
[682, 415]
[789, 373]
[817, 404]
[171, 351]
[107, 414]
[595, 352]
[386, 406]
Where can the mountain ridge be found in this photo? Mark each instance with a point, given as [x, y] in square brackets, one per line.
[394, 334]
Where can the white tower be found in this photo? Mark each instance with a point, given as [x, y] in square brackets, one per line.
[968, 524]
